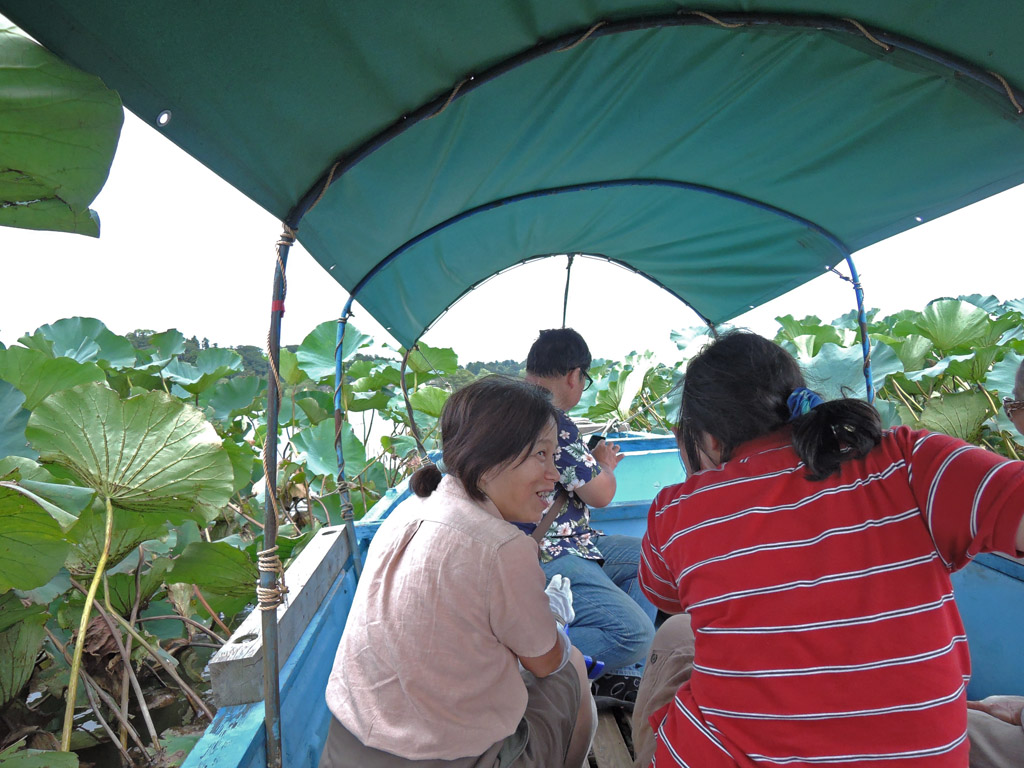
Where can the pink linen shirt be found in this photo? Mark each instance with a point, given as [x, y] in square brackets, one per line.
[451, 594]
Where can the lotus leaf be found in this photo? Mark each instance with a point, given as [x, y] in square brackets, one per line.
[38, 375]
[87, 536]
[32, 544]
[59, 128]
[839, 372]
[86, 340]
[1001, 379]
[120, 587]
[150, 453]
[211, 366]
[288, 369]
[231, 397]
[914, 351]
[429, 400]
[316, 354]
[216, 567]
[953, 324]
[21, 637]
[13, 419]
[315, 447]
[960, 414]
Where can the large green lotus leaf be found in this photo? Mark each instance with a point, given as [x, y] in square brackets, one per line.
[989, 303]
[429, 400]
[87, 537]
[86, 340]
[216, 567]
[70, 498]
[38, 375]
[242, 461]
[914, 351]
[1001, 379]
[953, 324]
[211, 366]
[809, 326]
[839, 371]
[233, 396]
[59, 128]
[976, 367]
[150, 453]
[64, 518]
[32, 544]
[316, 354]
[427, 359]
[315, 449]
[25, 468]
[13, 419]
[21, 637]
[932, 372]
[960, 414]
[13, 757]
[163, 348]
[120, 587]
[315, 404]
[289, 371]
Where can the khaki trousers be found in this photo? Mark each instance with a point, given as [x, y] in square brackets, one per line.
[994, 742]
[669, 664]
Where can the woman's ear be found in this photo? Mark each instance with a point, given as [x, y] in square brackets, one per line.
[711, 451]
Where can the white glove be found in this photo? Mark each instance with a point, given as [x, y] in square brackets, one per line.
[560, 598]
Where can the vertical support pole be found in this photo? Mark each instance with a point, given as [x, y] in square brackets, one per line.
[565, 299]
[347, 516]
[862, 322]
[269, 594]
[408, 404]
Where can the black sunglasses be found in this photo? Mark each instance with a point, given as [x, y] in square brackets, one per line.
[1011, 406]
[586, 376]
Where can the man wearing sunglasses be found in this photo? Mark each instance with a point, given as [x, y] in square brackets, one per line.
[614, 622]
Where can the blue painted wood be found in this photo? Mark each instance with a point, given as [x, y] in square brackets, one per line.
[236, 738]
[990, 595]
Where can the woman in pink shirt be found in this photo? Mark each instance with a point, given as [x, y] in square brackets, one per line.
[453, 654]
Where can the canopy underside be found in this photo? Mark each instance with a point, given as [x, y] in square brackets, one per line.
[727, 163]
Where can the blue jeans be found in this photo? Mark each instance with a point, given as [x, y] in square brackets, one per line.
[614, 621]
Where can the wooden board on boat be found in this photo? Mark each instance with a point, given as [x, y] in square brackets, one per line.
[236, 670]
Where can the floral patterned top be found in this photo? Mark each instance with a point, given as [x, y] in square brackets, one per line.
[570, 533]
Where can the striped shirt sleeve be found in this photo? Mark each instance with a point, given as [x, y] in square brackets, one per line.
[971, 499]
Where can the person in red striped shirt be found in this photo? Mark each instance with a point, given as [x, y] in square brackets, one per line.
[810, 553]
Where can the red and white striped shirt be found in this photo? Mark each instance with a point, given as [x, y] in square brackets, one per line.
[826, 631]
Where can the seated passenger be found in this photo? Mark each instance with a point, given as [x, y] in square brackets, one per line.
[614, 621]
[452, 601]
[811, 552]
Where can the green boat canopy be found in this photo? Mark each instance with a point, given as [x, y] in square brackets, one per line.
[728, 153]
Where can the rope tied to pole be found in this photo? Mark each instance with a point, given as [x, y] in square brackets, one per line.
[713, 20]
[586, 34]
[451, 98]
[268, 562]
[1009, 91]
[863, 30]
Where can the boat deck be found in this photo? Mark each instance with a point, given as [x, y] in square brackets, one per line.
[613, 742]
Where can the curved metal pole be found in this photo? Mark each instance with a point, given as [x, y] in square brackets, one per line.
[347, 516]
[268, 575]
[862, 321]
[408, 405]
[565, 299]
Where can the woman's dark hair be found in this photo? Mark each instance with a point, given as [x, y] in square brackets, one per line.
[485, 425]
[736, 390]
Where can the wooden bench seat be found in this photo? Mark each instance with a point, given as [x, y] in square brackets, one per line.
[613, 745]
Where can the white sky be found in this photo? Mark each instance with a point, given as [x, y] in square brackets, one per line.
[180, 248]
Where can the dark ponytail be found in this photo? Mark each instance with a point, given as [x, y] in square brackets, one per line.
[425, 480]
[737, 389]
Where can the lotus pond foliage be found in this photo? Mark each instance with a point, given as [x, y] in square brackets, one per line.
[132, 493]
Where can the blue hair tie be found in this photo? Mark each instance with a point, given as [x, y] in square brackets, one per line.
[801, 401]
[441, 467]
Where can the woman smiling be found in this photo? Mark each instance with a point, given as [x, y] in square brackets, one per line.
[453, 654]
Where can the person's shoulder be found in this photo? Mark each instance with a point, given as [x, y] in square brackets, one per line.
[568, 432]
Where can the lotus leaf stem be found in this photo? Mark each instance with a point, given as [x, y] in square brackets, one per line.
[76, 659]
[105, 697]
[907, 399]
